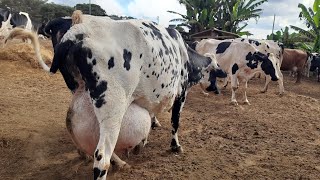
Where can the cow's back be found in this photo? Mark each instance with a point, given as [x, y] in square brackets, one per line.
[138, 56]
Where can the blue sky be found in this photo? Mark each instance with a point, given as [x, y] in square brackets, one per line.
[286, 12]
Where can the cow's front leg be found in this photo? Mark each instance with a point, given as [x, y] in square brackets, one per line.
[176, 109]
[265, 88]
[234, 87]
[245, 93]
[280, 83]
[109, 115]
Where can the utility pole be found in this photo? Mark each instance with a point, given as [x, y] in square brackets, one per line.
[274, 18]
[90, 7]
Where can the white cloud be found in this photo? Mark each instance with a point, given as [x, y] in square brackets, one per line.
[287, 13]
[153, 9]
[110, 6]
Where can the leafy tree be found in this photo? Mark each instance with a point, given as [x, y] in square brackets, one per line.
[32, 7]
[96, 10]
[311, 16]
[50, 11]
[227, 15]
[200, 14]
[239, 11]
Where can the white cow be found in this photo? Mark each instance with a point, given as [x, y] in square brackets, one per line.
[125, 62]
[240, 60]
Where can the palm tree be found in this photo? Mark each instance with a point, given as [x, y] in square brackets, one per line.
[312, 21]
[239, 11]
[200, 14]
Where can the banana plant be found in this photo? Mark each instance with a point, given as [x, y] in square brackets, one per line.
[311, 16]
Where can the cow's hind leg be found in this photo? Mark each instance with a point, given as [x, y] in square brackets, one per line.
[110, 109]
[176, 109]
[118, 163]
[299, 74]
[234, 87]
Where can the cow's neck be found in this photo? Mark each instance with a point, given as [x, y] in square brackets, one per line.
[195, 66]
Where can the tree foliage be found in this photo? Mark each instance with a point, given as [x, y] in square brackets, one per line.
[288, 39]
[96, 10]
[32, 7]
[228, 15]
[311, 17]
[50, 11]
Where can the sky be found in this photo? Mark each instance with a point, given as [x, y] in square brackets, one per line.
[286, 12]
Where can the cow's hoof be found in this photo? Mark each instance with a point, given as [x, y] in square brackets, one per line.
[246, 103]
[155, 123]
[263, 91]
[118, 167]
[84, 156]
[216, 92]
[138, 148]
[205, 94]
[177, 149]
[235, 103]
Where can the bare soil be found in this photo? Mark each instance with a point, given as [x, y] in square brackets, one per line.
[273, 138]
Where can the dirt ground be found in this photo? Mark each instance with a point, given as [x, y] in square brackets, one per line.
[273, 138]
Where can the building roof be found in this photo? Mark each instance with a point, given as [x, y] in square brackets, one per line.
[214, 33]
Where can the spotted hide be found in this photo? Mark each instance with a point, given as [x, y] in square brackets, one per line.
[240, 60]
[124, 62]
[315, 64]
[266, 47]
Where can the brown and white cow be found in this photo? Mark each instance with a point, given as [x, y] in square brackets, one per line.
[240, 60]
[294, 60]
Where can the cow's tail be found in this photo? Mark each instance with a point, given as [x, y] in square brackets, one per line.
[20, 33]
[76, 17]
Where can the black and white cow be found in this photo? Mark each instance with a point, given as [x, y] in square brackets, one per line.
[11, 20]
[267, 47]
[124, 62]
[315, 64]
[240, 60]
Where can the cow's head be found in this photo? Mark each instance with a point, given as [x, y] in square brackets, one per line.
[200, 67]
[56, 29]
[315, 62]
[268, 65]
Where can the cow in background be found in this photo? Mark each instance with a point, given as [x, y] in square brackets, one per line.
[240, 60]
[11, 20]
[315, 64]
[55, 29]
[294, 60]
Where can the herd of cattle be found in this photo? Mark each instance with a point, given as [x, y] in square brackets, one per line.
[122, 74]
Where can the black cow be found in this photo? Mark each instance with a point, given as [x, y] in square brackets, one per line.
[315, 64]
[55, 29]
